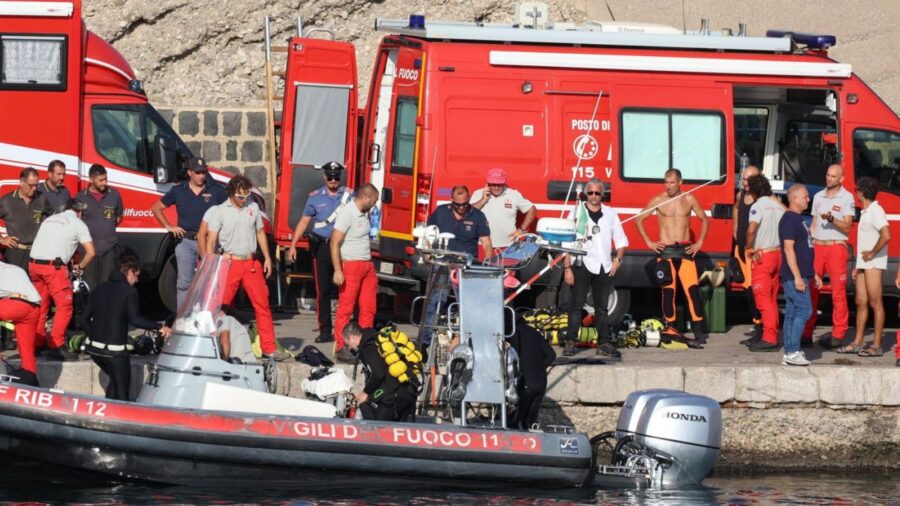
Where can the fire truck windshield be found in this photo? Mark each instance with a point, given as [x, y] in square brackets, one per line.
[124, 134]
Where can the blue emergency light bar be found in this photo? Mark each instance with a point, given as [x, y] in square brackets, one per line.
[417, 21]
[810, 40]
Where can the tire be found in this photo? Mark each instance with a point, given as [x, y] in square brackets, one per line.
[168, 280]
[619, 303]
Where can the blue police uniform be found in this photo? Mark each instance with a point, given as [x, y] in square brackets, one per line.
[322, 207]
[190, 207]
[467, 230]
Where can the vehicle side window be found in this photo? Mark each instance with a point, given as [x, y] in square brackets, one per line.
[117, 135]
[654, 141]
[804, 152]
[33, 62]
[876, 153]
[750, 127]
[404, 143]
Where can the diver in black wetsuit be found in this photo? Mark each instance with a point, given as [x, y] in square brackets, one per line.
[387, 395]
[111, 307]
[535, 356]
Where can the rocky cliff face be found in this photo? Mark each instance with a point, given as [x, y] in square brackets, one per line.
[210, 52]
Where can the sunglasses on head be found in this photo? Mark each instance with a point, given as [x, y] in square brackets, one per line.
[594, 193]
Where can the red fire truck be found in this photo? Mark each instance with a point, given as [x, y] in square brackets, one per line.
[66, 94]
[550, 103]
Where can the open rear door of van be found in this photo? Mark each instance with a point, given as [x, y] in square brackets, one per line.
[396, 110]
[319, 123]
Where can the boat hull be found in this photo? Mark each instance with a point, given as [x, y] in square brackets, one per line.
[182, 446]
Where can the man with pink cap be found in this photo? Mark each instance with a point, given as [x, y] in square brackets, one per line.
[502, 205]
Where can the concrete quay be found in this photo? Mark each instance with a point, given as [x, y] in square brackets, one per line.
[842, 411]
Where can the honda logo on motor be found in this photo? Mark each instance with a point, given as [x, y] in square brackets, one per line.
[685, 417]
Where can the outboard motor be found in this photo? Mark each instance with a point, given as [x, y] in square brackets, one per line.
[674, 435]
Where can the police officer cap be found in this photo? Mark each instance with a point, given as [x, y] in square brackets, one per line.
[197, 165]
[332, 168]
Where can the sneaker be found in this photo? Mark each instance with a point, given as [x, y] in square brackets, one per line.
[61, 355]
[608, 350]
[325, 337]
[343, 355]
[569, 349]
[795, 358]
[280, 356]
[762, 346]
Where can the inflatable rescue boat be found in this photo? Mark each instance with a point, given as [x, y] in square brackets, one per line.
[202, 419]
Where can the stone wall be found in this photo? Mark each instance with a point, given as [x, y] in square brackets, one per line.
[231, 139]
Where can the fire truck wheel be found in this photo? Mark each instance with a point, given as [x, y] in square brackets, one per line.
[167, 280]
[619, 303]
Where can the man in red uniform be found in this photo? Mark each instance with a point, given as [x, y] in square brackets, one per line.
[354, 273]
[833, 210]
[53, 248]
[20, 303]
[238, 227]
[764, 248]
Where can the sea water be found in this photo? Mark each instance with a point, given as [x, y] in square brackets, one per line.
[26, 481]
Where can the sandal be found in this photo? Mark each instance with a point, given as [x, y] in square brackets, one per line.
[871, 350]
[851, 348]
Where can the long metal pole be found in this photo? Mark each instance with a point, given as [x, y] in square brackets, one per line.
[270, 117]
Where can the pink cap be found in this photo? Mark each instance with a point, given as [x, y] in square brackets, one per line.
[496, 176]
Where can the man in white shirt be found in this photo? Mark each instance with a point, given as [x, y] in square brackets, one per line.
[55, 243]
[599, 227]
[833, 210]
[502, 205]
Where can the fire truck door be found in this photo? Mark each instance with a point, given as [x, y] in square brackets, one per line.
[680, 125]
[319, 123]
[870, 146]
[396, 134]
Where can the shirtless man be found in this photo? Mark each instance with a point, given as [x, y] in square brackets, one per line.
[676, 251]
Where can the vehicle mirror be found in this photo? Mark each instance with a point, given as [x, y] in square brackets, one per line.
[164, 159]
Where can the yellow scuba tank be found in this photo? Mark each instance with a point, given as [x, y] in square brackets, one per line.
[399, 353]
